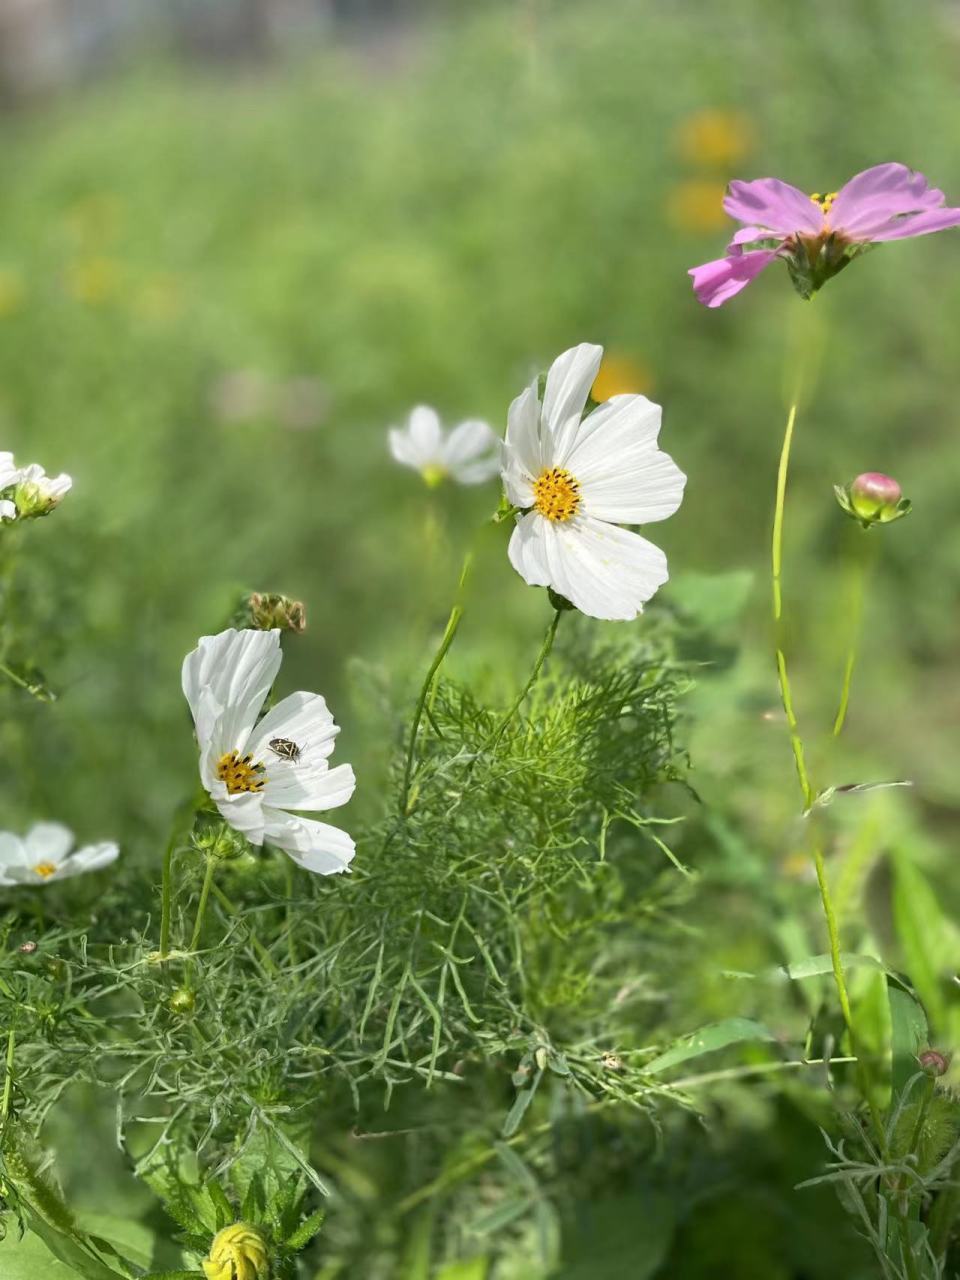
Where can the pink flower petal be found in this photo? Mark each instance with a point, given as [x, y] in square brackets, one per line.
[716, 282]
[770, 203]
[866, 203]
[921, 224]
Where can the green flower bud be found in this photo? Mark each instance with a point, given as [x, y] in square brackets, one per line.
[873, 498]
[263, 611]
[238, 1252]
[183, 1000]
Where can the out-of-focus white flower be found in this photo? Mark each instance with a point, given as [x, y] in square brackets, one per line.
[576, 479]
[34, 492]
[261, 773]
[46, 853]
[469, 454]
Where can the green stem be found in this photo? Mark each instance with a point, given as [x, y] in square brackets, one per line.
[942, 1217]
[182, 824]
[8, 1078]
[202, 905]
[786, 695]
[453, 622]
[803, 776]
[291, 942]
[864, 562]
[542, 656]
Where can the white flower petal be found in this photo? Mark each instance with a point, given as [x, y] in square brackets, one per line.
[9, 474]
[295, 785]
[568, 384]
[303, 718]
[471, 452]
[90, 858]
[527, 551]
[227, 678]
[402, 449]
[8, 509]
[623, 476]
[48, 842]
[425, 434]
[244, 812]
[12, 854]
[606, 571]
[315, 846]
[522, 448]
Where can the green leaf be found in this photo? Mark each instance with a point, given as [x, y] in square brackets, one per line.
[922, 932]
[817, 966]
[908, 1035]
[130, 1238]
[718, 1035]
[619, 1236]
[30, 1259]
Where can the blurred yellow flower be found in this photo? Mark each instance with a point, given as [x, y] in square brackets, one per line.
[714, 138]
[237, 1253]
[94, 281]
[621, 374]
[696, 205]
[12, 291]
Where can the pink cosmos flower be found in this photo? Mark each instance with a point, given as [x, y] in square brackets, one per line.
[818, 235]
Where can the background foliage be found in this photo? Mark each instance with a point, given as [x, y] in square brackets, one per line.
[216, 292]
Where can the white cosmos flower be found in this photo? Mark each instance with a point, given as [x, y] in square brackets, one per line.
[36, 493]
[46, 853]
[577, 480]
[470, 453]
[262, 773]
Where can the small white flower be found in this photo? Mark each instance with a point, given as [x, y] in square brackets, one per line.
[8, 512]
[262, 773]
[36, 494]
[46, 853]
[469, 454]
[576, 479]
[9, 473]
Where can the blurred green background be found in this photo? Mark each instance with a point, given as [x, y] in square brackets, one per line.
[221, 283]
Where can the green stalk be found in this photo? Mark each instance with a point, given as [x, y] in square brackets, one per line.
[202, 906]
[453, 622]
[8, 1078]
[542, 656]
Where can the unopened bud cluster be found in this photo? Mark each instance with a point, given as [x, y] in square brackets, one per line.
[873, 498]
[28, 492]
[266, 610]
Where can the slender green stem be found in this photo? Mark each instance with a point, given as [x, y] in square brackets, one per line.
[542, 656]
[803, 776]
[166, 893]
[453, 622]
[234, 912]
[861, 572]
[786, 695]
[291, 941]
[202, 905]
[8, 1078]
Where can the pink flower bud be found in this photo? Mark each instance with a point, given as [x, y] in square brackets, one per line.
[873, 498]
[933, 1062]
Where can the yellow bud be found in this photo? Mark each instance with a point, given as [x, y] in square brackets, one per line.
[237, 1253]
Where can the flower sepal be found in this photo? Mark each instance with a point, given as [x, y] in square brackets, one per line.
[873, 498]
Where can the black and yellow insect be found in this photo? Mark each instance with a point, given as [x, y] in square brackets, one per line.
[285, 748]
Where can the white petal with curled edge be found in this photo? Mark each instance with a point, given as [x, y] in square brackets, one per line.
[316, 846]
[227, 678]
[527, 550]
[605, 571]
[565, 396]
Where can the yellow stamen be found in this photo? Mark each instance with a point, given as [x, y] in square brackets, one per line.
[824, 201]
[556, 494]
[239, 773]
[45, 869]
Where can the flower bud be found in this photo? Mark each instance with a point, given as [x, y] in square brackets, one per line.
[36, 494]
[873, 498]
[933, 1062]
[183, 1000]
[238, 1252]
[263, 611]
[8, 511]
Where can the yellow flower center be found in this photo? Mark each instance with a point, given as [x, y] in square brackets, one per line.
[45, 869]
[556, 494]
[239, 773]
[824, 201]
[433, 474]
